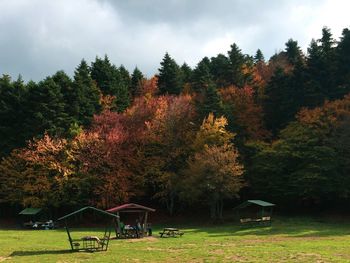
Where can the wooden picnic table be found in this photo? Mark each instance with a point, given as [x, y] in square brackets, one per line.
[170, 232]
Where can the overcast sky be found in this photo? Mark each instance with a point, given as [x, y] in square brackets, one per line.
[39, 37]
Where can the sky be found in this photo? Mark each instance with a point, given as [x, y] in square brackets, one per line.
[40, 37]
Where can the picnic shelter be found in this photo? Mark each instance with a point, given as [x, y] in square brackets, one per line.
[90, 242]
[141, 228]
[255, 212]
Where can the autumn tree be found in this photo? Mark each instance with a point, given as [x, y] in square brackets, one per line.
[167, 148]
[245, 116]
[214, 172]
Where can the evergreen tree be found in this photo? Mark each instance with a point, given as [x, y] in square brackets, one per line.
[170, 77]
[46, 109]
[125, 76]
[278, 101]
[211, 102]
[343, 64]
[70, 97]
[237, 61]
[12, 114]
[220, 69]
[111, 82]
[86, 93]
[186, 72]
[259, 57]
[136, 78]
[293, 52]
[321, 68]
[201, 77]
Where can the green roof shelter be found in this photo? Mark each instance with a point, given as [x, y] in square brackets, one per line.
[90, 242]
[30, 211]
[255, 212]
[30, 216]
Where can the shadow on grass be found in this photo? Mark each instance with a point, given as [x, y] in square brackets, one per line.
[288, 228]
[39, 252]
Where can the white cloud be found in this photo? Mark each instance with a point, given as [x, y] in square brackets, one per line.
[39, 37]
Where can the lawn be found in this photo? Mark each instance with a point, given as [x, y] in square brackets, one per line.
[287, 240]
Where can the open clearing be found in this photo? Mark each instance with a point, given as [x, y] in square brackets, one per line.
[288, 240]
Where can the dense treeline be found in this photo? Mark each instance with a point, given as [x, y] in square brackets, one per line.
[276, 130]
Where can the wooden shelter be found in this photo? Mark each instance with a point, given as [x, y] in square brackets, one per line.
[255, 212]
[90, 243]
[142, 228]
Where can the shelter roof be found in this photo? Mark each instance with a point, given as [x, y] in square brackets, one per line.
[87, 208]
[130, 208]
[254, 202]
[30, 211]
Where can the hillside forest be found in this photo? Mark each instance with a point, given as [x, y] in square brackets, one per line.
[234, 127]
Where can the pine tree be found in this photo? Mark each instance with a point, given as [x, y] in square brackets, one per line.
[321, 67]
[170, 77]
[259, 57]
[46, 109]
[343, 64]
[220, 69]
[237, 61]
[201, 76]
[211, 102]
[124, 75]
[86, 93]
[111, 82]
[12, 114]
[136, 79]
[293, 52]
[278, 101]
[186, 72]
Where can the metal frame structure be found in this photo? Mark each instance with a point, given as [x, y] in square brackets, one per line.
[90, 243]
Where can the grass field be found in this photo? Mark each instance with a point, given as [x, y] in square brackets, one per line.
[288, 240]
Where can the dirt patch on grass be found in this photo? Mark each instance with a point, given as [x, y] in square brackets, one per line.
[4, 258]
[281, 239]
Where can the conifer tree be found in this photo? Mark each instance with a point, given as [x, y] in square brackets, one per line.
[87, 94]
[110, 81]
[259, 57]
[237, 61]
[136, 79]
[170, 77]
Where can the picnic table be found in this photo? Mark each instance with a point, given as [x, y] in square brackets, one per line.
[170, 232]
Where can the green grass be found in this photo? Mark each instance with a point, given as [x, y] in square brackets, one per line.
[288, 240]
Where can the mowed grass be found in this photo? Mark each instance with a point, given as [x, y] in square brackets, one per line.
[287, 240]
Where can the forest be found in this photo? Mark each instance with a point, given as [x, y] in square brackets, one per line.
[234, 127]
